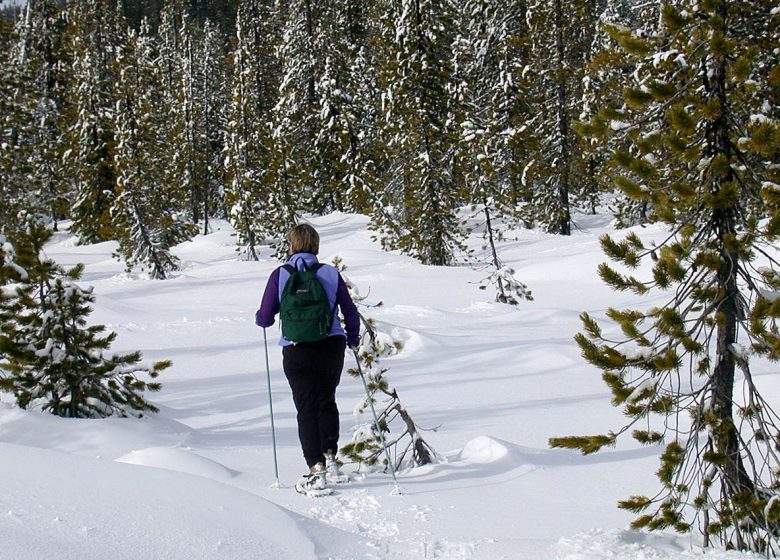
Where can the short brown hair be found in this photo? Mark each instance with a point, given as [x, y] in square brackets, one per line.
[304, 239]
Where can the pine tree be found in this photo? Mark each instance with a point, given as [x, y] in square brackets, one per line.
[9, 272]
[17, 125]
[347, 98]
[423, 192]
[360, 109]
[248, 150]
[97, 29]
[295, 115]
[194, 70]
[40, 56]
[176, 45]
[333, 134]
[495, 144]
[559, 34]
[145, 209]
[702, 125]
[603, 92]
[212, 122]
[489, 55]
[50, 358]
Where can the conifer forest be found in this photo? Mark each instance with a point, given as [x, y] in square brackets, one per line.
[144, 121]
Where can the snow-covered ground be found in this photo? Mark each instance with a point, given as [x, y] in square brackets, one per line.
[194, 481]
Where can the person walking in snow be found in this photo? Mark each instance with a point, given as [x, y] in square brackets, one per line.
[312, 367]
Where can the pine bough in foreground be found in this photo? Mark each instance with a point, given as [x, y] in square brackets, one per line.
[701, 121]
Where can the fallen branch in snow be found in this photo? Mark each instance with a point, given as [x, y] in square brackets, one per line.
[408, 448]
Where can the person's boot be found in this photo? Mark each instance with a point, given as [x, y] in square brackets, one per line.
[333, 469]
[313, 483]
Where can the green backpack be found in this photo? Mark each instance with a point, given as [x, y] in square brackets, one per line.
[305, 312]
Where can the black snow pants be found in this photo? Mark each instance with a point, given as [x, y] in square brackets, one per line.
[313, 370]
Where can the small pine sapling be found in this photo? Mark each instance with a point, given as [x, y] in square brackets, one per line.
[408, 448]
[50, 358]
[509, 289]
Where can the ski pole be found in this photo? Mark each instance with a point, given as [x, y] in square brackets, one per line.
[271, 408]
[398, 489]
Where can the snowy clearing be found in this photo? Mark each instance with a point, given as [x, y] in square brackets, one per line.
[495, 381]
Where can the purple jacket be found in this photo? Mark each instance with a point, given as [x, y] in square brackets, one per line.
[334, 286]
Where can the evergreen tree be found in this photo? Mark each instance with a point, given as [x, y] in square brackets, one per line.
[145, 208]
[559, 33]
[347, 95]
[495, 142]
[248, 150]
[97, 28]
[603, 91]
[359, 109]
[41, 56]
[176, 44]
[50, 358]
[490, 56]
[9, 272]
[332, 139]
[296, 111]
[702, 125]
[212, 122]
[193, 64]
[423, 191]
[16, 128]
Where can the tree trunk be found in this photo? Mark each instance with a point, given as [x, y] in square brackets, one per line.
[310, 89]
[725, 437]
[564, 219]
[26, 33]
[496, 262]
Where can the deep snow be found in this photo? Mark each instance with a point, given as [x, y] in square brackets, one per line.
[494, 381]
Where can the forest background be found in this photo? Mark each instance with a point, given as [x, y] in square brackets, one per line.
[142, 121]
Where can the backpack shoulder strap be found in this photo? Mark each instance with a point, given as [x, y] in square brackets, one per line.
[284, 279]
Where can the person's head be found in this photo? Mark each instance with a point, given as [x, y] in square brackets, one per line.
[303, 239]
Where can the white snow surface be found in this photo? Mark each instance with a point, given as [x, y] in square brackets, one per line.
[196, 481]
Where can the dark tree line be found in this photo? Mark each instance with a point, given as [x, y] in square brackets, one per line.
[160, 115]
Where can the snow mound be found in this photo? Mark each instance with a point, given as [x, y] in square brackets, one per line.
[59, 505]
[105, 438]
[482, 450]
[411, 339]
[176, 459]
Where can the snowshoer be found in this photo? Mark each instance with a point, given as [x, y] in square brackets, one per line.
[312, 362]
